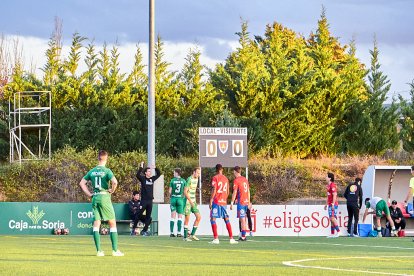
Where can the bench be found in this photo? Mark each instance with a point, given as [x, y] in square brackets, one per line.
[125, 225]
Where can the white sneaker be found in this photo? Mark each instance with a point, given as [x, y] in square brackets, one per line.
[194, 238]
[215, 241]
[336, 235]
[100, 254]
[233, 241]
[117, 253]
[330, 236]
[187, 239]
[394, 233]
[355, 236]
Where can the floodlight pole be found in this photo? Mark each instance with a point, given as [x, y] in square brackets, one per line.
[151, 87]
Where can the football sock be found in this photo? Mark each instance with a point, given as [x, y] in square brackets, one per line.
[185, 231]
[172, 222]
[214, 228]
[378, 229]
[332, 230]
[179, 224]
[114, 238]
[228, 226]
[194, 230]
[243, 233]
[337, 228]
[97, 238]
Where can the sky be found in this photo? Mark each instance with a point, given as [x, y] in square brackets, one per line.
[210, 26]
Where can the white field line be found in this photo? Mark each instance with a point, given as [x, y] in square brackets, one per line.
[295, 264]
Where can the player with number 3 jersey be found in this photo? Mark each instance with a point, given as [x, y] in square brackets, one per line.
[218, 203]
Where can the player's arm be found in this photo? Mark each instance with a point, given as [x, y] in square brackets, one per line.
[84, 188]
[409, 195]
[170, 189]
[334, 197]
[365, 214]
[213, 194]
[114, 185]
[233, 197]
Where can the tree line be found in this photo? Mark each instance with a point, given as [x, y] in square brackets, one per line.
[298, 96]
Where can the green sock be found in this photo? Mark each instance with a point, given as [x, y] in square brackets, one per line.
[172, 222]
[185, 231]
[97, 240]
[194, 230]
[179, 223]
[114, 240]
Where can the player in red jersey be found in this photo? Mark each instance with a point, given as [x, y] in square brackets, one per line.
[218, 203]
[332, 204]
[241, 189]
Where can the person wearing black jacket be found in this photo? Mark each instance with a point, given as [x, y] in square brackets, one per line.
[147, 181]
[353, 194]
[134, 206]
[397, 216]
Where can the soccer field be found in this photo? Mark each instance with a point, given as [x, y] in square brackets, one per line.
[75, 255]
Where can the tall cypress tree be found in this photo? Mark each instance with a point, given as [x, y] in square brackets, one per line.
[407, 121]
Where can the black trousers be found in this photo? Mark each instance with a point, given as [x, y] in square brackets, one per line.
[138, 216]
[353, 214]
[249, 221]
[146, 206]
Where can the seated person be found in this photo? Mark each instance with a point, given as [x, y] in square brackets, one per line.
[397, 216]
[135, 210]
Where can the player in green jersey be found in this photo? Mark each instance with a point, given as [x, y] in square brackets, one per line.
[191, 206]
[100, 176]
[176, 192]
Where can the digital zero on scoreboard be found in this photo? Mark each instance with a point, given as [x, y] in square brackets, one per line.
[224, 145]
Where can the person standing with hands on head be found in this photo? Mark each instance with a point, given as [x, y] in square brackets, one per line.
[176, 192]
[332, 204]
[102, 208]
[353, 194]
[241, 190]
[218, 204]
[147, 181]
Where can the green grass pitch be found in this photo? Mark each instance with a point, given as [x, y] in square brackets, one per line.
[75, 255]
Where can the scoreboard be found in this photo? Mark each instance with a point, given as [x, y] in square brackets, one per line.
[223, 145]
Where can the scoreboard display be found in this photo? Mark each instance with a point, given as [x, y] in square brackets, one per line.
[222, 145]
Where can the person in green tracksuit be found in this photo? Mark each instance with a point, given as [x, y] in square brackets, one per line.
[102, 208]
[176, 192]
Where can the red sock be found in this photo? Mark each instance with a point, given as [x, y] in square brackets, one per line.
[228, 226]
[214, 228]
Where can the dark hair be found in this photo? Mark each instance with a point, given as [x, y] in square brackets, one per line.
[102, 153]
[177, 171]
[358, 180]
[146, 169]
[394, 202]
[196, 168]
[135, 193]
[219, 167]
[366, 200]
[237, 169]
[331, 176]
[412, 168]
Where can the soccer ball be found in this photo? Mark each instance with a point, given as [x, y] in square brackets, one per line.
[104, 231]
[57, 231]
[64, 231]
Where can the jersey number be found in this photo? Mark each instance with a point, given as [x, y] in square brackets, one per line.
[222, 187]
[98, 182]
[245, 187]
[177, 188]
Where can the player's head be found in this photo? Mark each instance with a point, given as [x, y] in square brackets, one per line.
[330, 177]
[102, 156]
[135, 195]
[219, 168]
[412, 170]
[196, 172]
[236, 170]
[358, 181]
[147, 172]
[367, 203]
[394, 204]
[177, 172]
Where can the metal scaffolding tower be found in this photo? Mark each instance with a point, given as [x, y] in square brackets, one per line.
[30, 123]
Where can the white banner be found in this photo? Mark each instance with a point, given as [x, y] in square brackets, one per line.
[267, 220]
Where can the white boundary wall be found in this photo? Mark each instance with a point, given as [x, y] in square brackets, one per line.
[268, 220]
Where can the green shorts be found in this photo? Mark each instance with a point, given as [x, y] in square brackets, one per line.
[188, 209]
[102, 207]
[177, 205]
[382, 207]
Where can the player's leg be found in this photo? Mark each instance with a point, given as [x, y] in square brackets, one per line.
[187, 213]
[213, 215]
[180, 212]
[173, 209]
[350, 210]
[356, 220]
[96, 224]
[196, 222]
[378, 222]
[108, 214]
[148, 219]
[225, 216]
[249, 221]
